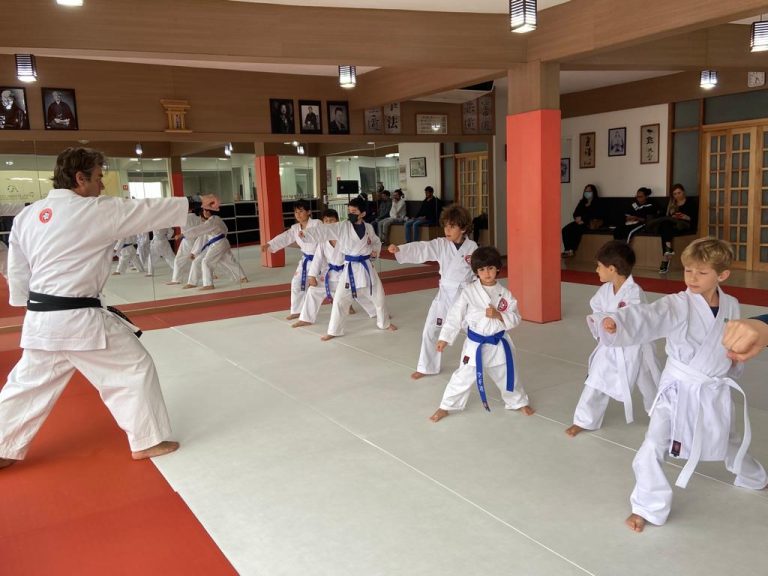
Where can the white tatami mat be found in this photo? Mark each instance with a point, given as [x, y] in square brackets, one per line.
[303, 457]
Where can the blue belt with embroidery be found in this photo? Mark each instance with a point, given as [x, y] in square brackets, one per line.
[331, 268]
[363, 259]
[494, 339]
[212, 241]
[307, 259]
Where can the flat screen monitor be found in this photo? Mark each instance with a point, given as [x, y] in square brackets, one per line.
[351, 187]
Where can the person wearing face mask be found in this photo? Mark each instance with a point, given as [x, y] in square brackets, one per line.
[588, 214]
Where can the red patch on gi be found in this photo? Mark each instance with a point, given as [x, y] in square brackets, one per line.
[369, 240]
[45, 215]
[468, 259]
[466, 360]
[439, 321]
[503, 305]
[622, 304]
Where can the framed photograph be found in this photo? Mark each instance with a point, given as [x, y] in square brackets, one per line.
[565, 170]
[587, 150]
[431, 123]
[392, 118]
[59, 108]
[338, 117]
[617, 142]
[418, 167]
[649, 144]
[13, 108]
[281, 114]
[310, 117]
[374, 121]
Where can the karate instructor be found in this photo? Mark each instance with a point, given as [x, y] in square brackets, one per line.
[58, 263]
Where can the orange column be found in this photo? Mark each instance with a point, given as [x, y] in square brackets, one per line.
[177, 188]
[270, 205]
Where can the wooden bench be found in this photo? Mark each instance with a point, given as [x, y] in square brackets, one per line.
[397, 233]
[647, 249]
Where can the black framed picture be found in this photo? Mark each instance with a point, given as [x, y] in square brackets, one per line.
[281, 113]
[617, 141]
[565, 170]
[310, 118]
[59, 109]
[13, 108]
[418, 167]
[338, 117]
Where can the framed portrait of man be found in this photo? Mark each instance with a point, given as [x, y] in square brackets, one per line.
[13, 108]
[59, 109]
[310, 118]
[338, 117]
[281, 114]
[617, 142]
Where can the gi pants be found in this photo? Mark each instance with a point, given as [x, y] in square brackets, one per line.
[592, 406]
[342, 299]
[219, 253]
[182, 261]
[316, 295]
[128, 256]
[429, 358]
[465, 378]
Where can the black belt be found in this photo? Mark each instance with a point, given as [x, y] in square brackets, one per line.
[46, 303]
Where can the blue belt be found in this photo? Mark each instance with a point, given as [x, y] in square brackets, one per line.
[494, 339]
[307, 258]
[331, 268]
[364, 261]
[126, 245]
[212, 241]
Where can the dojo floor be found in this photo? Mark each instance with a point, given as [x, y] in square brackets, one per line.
[303, 457]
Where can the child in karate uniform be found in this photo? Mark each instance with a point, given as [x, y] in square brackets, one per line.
[359, 280]
[614, 371]
[452, 253]
[126, 252]
[693, 416]
[182, 261]
[212, 248]
[304, 221]
[159, 247]
[488, 310]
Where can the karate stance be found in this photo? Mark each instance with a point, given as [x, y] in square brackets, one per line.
[304, 221]
[488, 310]
[126, 253]
[453, 254]
[693, 416]
[359, 280]
[57, 268]
[160, 247]
[182, 261]
[614, 371]
[212, 248]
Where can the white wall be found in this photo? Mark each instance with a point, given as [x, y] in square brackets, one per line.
[414, 187]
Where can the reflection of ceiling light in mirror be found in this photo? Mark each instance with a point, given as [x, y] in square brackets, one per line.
[139, 150]
[26, 69]
[708, 79]
[134, 159]
[393, 155]
[156, 159]
[22, 179]
[295, 143]
[355, 156]
[9, 162]
[183, 159]
[300, 149]
[435, 127]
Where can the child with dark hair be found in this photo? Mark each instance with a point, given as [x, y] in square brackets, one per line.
[452, 253]
[613, 372]
[488, 310]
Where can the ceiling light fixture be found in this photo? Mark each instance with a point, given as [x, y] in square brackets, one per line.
[522, 15]
[300, 149]
[228, 149]
[758, 36]
[69, 2]
[347, 76]
[139, 150]
[708, 79]
[26, 69]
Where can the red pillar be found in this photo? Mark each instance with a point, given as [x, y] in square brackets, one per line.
[533, 213]
[270, 202]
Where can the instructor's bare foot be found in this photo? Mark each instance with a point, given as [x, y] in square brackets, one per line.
[5, 462]
[300, 323]
[172, 283]
[439, 415]
[292, 316]
[417, 375]
[165, 447]
[574, 430]
[527, 410]
[391, 327]
[327, 337]
[635, 522]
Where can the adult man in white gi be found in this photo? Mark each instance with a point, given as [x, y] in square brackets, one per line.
[59, 261]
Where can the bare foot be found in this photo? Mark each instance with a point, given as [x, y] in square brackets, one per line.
[5, 462]
[165, 447]
[417, 375]
[439, 415]
[327, 337]
[188, 286]
[148, 275]
[352, 310]
[292, 316]
[207, 287]
[243, 280]
[527, 410]
[115, 273]
[172, 283]
[391, 327]
[300, 323]
[574, 430]
[635, 522]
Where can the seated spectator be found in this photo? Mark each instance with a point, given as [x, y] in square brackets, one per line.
[680, 219]
[479, 223]
[641, 211]
[396, 215]
[385, 205]
[428, 215]
[588, 214]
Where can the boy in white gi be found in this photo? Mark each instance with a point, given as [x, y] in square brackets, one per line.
[359, 280]
[211, 248]
[182, 261]
[60, 257]
[613, 371]
[453, 254]
[126, 253]
[324, 274]
[303, 214]
[488, 310]
[693, 414]
[160, 247]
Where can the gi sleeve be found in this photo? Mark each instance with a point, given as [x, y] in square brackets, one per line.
[510, 316]
[19, 272]
[282, 240]
[323, 232]
[645, 322]
[136, 216]
[453, 321]
[417, 252]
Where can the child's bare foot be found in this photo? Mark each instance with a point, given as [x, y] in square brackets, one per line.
[327, 337]
[439, 415]
[165, 447]
[292, 316]
[207, 287]
[115, 273]
[300, 323]
[172, 283]
[243, 280]
[5, 462]
[148, 275]
[352, 310]
[635, 522]
[188, 286]
[574, 430]
[391, 327]
[416, 375]
[527, 411]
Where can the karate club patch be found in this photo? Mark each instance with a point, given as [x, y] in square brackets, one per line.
[468, 259]
[622, 304]
[369, 240]
[503, 305]
[439, 321]
[45, 215]
[465, 360]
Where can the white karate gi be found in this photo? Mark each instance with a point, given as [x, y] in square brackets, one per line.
[614, 371]
[307, 248]
[160, 247]
[63, 246]
[7, 210]
[455, 272]
[126, 252]
[367, 284]
[211, 250]
[182, 261]
[693, 413]
[143, 248]
[469, 310]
